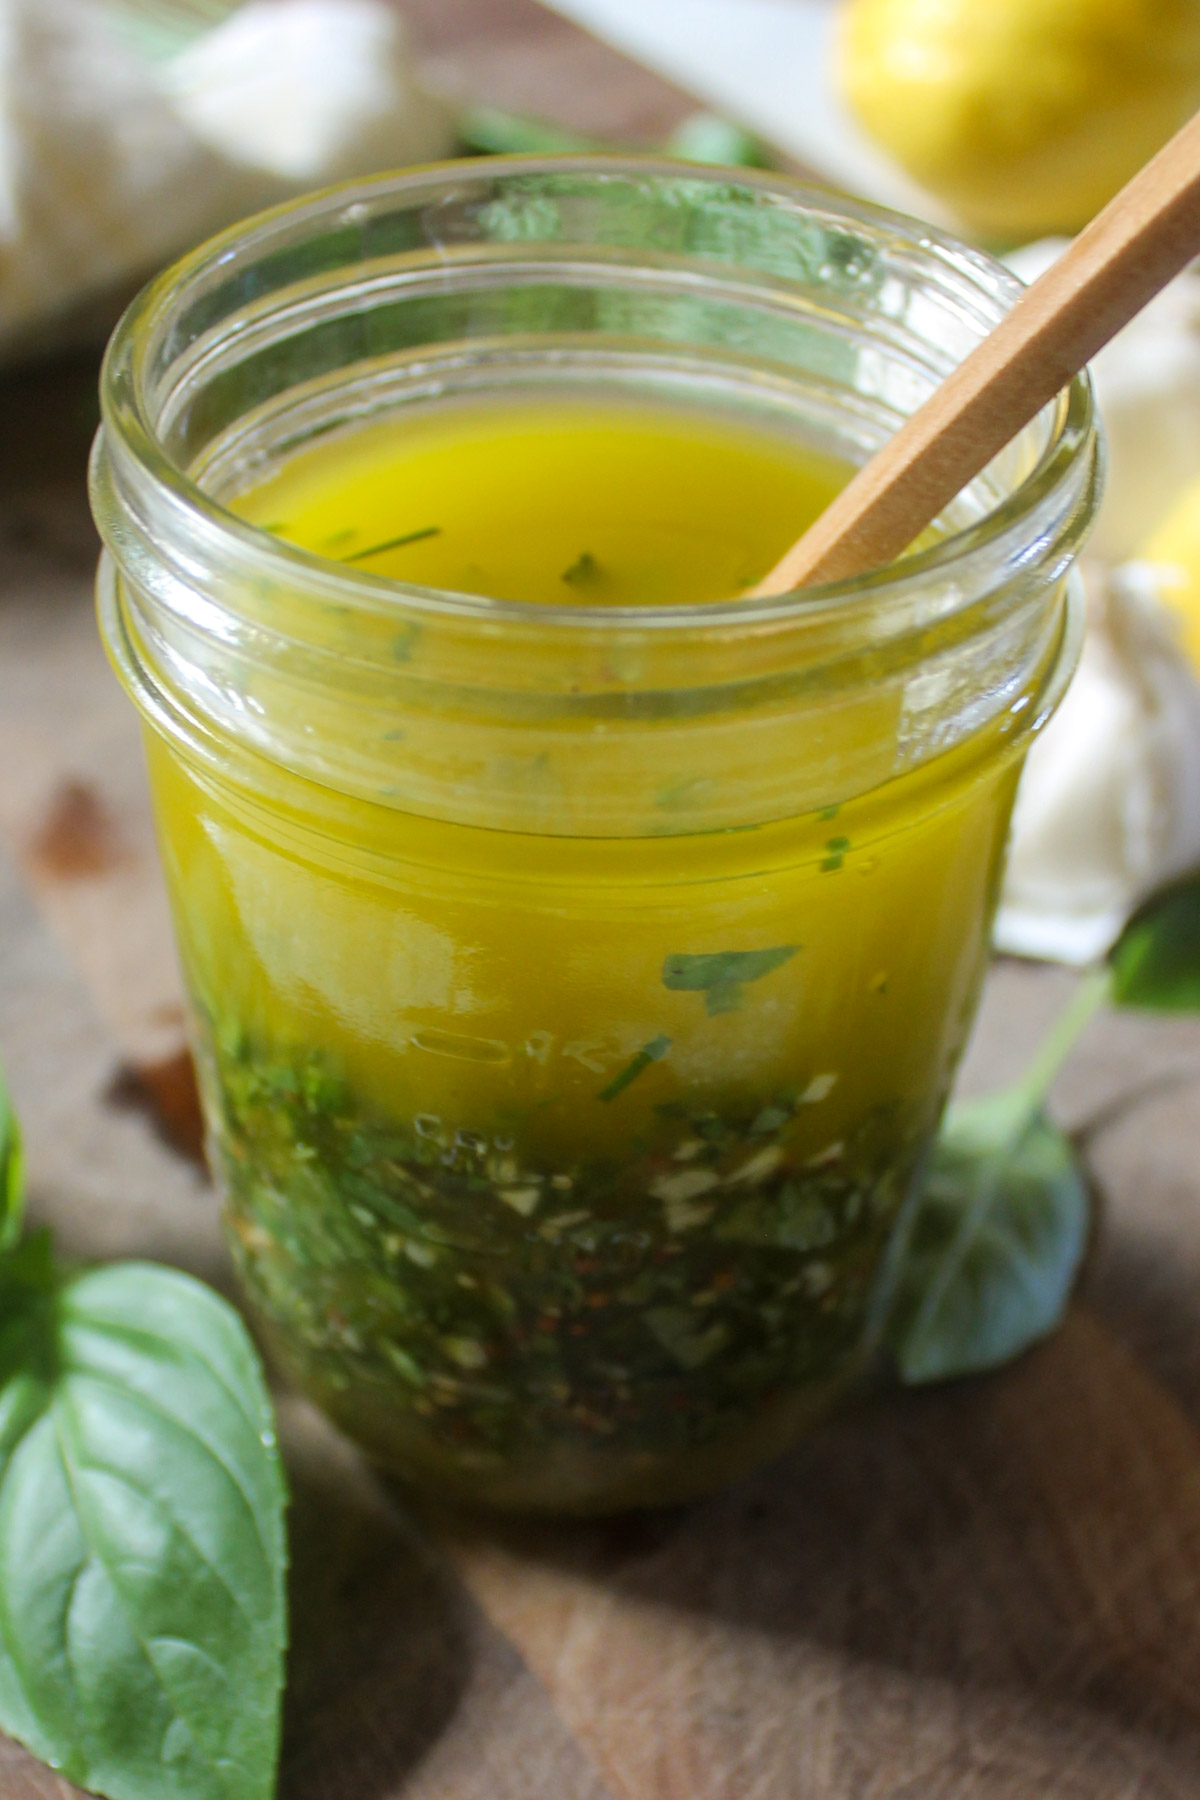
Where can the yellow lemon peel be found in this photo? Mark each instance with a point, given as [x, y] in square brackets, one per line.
[1024, 116]
[1173, 551]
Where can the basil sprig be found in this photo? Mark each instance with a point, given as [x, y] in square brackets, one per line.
[996, 1242]
[998, 1232]
[142, 1548]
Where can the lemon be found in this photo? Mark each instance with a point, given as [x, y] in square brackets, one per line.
[1024, 116]
[1173, 549]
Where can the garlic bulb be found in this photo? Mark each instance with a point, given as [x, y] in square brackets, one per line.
[97, 173]
[111, 162]
[308, 93]
[1109, 804]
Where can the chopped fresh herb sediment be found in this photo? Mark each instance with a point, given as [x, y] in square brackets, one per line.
[502, 1308]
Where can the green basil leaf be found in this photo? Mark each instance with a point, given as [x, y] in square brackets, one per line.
[719, 974]
[488, 131]
[142, 1551]
[1156, 960]
[707, 138]
[12, 1174]
[994, 1246]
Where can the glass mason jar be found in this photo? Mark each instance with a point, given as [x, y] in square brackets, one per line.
[575, 990]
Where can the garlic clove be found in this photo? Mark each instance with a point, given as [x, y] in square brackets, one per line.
[97, 173]
[1109, 804]
[111, 163]
[309, 91]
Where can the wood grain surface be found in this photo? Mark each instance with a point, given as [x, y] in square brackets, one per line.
[989, 1592]
[517, 55]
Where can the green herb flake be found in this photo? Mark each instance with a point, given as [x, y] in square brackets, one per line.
[770, 1120]
[649, 1053]
[721, 974]
[828, 813]
[584, 572]
[835, 853]
[396, 543]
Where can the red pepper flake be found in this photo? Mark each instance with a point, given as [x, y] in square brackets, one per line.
[547, 1324]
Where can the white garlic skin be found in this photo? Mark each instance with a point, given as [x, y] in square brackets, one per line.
[1109, 803]
[111, 164]
[308, 92]
[96, 171]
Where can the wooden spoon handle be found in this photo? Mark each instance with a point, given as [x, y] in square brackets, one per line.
[1143, 238]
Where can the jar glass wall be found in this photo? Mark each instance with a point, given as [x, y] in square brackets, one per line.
[575, 990]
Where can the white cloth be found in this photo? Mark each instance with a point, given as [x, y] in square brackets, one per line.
[1109, 804]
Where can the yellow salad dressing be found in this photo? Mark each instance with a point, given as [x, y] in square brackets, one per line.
[558, 1160]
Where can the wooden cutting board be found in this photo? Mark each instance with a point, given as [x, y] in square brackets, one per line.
[990, 1592]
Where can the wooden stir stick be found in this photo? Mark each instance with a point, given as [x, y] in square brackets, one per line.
[1135, 246]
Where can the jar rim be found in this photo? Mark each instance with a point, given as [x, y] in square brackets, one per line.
[128, 432]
